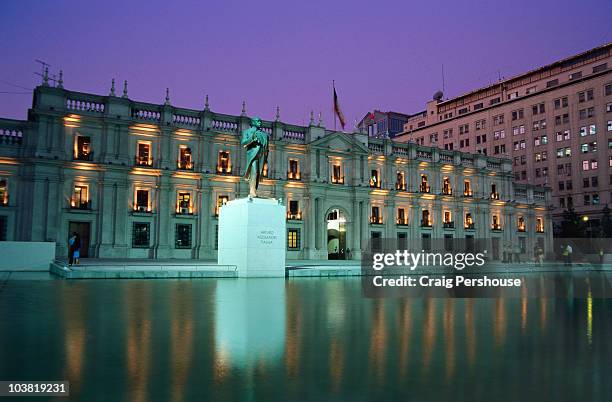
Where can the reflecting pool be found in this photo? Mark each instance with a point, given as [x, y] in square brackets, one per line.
[304, 339]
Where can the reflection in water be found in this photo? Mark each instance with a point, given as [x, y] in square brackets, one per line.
[449, 335]
[499, 318]
[250, 312]
[590, 318]
[74, 339]
[470, 332]
[405, 332]
[138, 310]
[429, 334]
[543, 314]
[300, 339]
[181, 338]
[378, 340]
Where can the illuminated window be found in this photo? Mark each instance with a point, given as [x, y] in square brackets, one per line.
[221, 201]
[521, 224]
[182, 237]
[185, 159]
[494, 193]
[376, 217]
[294, 170]
[80, 197]
[496, 225]
[540, 225]
[264, 171]
[293, 239]
[224, 164]
[144, 156]
[469, 221]
[337, 176]
[82, 148]
[447, 219]
[425, 218]
[183, 204]
[424, 187]
[293, 212]
[446, 186]
[402, 219]
[400, 183]
[142, 201]
[467, 188]
[375, 179]
[4, 196]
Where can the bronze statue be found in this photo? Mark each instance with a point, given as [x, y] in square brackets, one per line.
[256, 143]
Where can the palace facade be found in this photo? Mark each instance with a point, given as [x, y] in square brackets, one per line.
[140, 180]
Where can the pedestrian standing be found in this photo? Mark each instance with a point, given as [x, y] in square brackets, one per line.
[76, 254]
[71, 242]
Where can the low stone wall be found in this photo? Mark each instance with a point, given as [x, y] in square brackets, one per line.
[26, 255]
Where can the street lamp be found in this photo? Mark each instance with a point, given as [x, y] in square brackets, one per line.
[586, 220]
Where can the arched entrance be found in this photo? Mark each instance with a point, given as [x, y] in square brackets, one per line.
[336, 235]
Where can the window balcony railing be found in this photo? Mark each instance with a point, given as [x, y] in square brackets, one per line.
[424, 188]
[294, 216]
[143, 209]
[469, 226]
[87, 157]
[184, 165]
[337, 180]
[402, 221]
[495, 195]
[83, 205]
[449, 225]
[224, 169]
[468, 193]
[374, 184]
[143, 161]
[496, 227]
[184, 210]
[376, 220]
[540, 230]
[294, 175]
[521, 229]
[425, 223]
[447, 191]
[400, 186]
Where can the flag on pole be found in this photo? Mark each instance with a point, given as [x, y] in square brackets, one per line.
[337, 109]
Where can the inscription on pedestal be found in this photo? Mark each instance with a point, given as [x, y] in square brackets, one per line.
[266, 237]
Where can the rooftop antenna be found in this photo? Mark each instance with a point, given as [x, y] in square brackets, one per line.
[44, 74]
[443, 83]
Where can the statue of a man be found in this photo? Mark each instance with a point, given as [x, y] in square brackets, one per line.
[256, 143]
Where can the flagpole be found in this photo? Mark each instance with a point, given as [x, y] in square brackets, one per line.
[334, 102]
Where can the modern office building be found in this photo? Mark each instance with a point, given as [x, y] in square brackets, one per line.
[379, 124]
[555, 123]
[140, 180]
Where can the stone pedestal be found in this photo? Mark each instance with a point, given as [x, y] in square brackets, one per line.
[252, 236]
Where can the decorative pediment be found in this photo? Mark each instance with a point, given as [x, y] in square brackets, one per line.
[340, 142]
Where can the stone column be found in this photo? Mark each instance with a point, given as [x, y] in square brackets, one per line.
[122, 241]
[123, 146]
[389, 217]
[309, 223]
[107, 210]
[164, 231]
[205, 242]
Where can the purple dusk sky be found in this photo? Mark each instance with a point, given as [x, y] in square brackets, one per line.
[383, 54]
